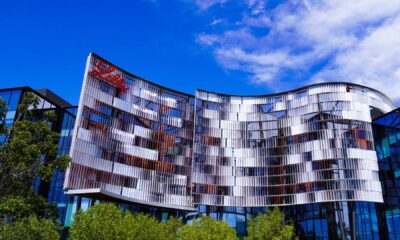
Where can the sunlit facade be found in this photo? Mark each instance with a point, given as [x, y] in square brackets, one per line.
[310, 151]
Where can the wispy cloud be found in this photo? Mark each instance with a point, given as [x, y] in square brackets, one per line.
[205, 4]
[312, 41]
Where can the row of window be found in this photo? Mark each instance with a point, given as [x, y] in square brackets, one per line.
[264, 180]
[264, 169]
[285, 200]
[363, 185]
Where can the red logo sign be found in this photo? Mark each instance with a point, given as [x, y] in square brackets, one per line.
[107, 73]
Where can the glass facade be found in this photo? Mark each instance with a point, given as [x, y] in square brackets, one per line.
[332, 220]
[55, 192]
[387, 142]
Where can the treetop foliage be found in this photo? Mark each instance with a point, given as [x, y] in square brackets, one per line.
[106, 221]
[32, 228]
[207, 228]
[270, 226]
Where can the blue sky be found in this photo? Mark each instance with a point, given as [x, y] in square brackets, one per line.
[230, 46]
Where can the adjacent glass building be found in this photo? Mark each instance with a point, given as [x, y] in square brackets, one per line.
[63, 124]
[387, 143]
[315, 152]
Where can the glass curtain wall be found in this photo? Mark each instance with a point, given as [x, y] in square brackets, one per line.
[387, 142]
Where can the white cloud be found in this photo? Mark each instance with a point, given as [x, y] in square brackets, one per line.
[205, 4]
[325, 40]
[216, 22]
[374, 61]
[256, 6]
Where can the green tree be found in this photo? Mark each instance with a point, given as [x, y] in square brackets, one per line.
[207, 228]
[107, 221]
[102, 222]
[270, 226]
[13, 208]
[31, 228]
[29, 151]
[139, 226]
[169, 229]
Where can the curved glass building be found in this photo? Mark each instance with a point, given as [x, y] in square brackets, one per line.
[309, 151]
